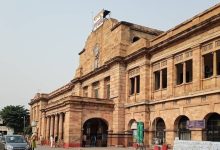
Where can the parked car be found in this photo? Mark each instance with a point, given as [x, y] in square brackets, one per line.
[14, 142]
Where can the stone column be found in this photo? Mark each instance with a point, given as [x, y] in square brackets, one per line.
[48, 128]
[214, 64]
[43, 125]
[72, 130]
[184, 72]
[198, 70]
[56, 125]
[196, 135]
[161, 84]
[60, 136]
[170, 76]
[44, 129]
[102, 93]
[52, 125]
[170, 136]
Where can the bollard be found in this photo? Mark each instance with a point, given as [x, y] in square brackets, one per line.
[164, 147]
[156, 147]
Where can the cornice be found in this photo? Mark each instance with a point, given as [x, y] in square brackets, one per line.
[188, 21]
[103, 68]
[136, 54]
[153, 102]
[185, 33]
[46, 97]
[135, 27]
[79, 101]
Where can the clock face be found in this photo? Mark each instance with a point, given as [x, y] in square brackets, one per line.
[96, 50]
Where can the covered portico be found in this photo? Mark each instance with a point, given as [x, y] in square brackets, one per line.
[66, 119]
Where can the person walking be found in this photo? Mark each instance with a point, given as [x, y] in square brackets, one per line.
[41, 140]
[56, 141]
[51, 141]
[93, 140]
[33, 141]
[84, 141]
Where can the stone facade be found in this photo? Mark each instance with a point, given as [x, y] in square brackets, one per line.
[130, 73]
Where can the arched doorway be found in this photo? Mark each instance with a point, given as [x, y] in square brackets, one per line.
[160, 133]
[132, 126]
[95, 133]
[212, 131]
[181, 127]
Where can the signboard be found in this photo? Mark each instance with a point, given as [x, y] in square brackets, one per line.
[134, 126]
[195, 124]
[140, 132]
[99, 19]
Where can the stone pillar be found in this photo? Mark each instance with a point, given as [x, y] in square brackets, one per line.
[60, 135]
[72, 130]
[184, 72]
[48, 129]
[102, 89]
[56, 125]
[198, 70]
[151, 136]
[170, 136]
[196, 135]
[214, 64]
[170, 76]
[52, 125]
[43, 125]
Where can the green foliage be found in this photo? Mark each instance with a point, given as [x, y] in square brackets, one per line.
[14, 117]
[28, 130]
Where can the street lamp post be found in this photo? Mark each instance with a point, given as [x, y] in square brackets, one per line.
[24, 123]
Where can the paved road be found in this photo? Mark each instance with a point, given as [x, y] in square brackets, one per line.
[1, 146]
[91, 148]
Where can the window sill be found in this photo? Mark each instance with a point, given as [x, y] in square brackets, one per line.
[179, 85]
[182, 84]
[135, 94]
[209, 78]
[187, 83]
[163, 89]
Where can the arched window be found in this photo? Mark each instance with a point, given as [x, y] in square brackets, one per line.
[183, 132]
[135, 39]
[160, 133]
[212, 131]
[96, 54]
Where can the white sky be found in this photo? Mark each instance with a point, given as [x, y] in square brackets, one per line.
[40, 39]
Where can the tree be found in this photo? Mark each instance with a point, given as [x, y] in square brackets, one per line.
[16, 117]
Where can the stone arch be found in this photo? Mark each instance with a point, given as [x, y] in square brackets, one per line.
[155, 121]
[135, 39]
[212, 127]
[207, 116]
[95, 132]
[104, 120]
[132, 132]
[159, 130]
[177, 120]
[130, 123]
[180, 128]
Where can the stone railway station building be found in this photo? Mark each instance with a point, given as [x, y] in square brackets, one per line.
[130, 73]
